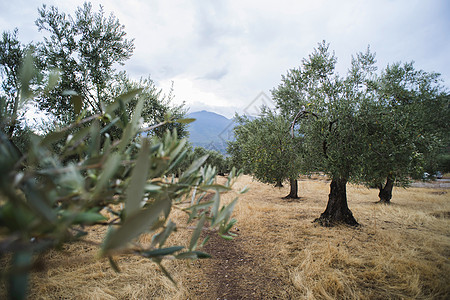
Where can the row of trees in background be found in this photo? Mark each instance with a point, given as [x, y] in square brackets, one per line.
[215, 158]
[264, 148]
[377, 129]
[108, 157]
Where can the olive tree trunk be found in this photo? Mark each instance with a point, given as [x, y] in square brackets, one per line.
[293, 194]
[337, 210]
[385, 193]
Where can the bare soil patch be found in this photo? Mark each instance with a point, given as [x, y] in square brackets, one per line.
[233, 273]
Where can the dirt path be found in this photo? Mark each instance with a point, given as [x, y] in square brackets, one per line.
[234, 273]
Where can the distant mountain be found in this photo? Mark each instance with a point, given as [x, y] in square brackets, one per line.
[210, 130]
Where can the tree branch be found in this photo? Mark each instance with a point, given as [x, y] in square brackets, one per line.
[301, 114]
[325, 145]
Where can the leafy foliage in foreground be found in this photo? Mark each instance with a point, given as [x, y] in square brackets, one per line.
[100, 167]
[79, 176]
[215, 158]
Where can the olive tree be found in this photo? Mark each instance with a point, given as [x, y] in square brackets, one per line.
[406, 127]
[13, 89]
[327, 110]
[364, 127]
[265, 147]
[84, 48]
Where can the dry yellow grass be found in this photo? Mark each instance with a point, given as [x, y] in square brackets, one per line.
[401, 251]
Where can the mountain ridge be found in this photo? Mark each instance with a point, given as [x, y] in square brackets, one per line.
[210, 130]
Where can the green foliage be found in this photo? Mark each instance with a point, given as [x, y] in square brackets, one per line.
[157, 106]
[16, 81]
[366, 127]
[443, 162]
[84, 49]
[79, 176]
[326, 110]
[407, 125]
[215, 158]
[266, 149]
[11, 56]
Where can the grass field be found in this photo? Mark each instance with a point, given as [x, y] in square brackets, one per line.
[400, 251]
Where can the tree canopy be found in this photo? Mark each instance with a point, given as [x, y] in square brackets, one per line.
[78, 57]
[16, 81]
[327, 109]
[406, 126]
[363, 127]
[266, 148]
[84, 49]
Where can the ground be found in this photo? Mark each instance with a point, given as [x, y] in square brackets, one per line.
[400, 251]
[435, 184]
[232, 273]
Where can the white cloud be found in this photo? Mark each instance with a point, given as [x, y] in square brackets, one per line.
[222, 54]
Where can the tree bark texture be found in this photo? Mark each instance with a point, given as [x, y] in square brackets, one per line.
[385, 193]
[293, 194]
[337, 210]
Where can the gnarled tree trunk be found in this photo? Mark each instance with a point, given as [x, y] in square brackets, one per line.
[337, 210]
[385, 193]
[293, 194]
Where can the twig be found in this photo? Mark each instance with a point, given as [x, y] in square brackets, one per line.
[299, 115]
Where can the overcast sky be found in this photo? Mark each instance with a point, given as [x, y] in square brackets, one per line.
[221, 55]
